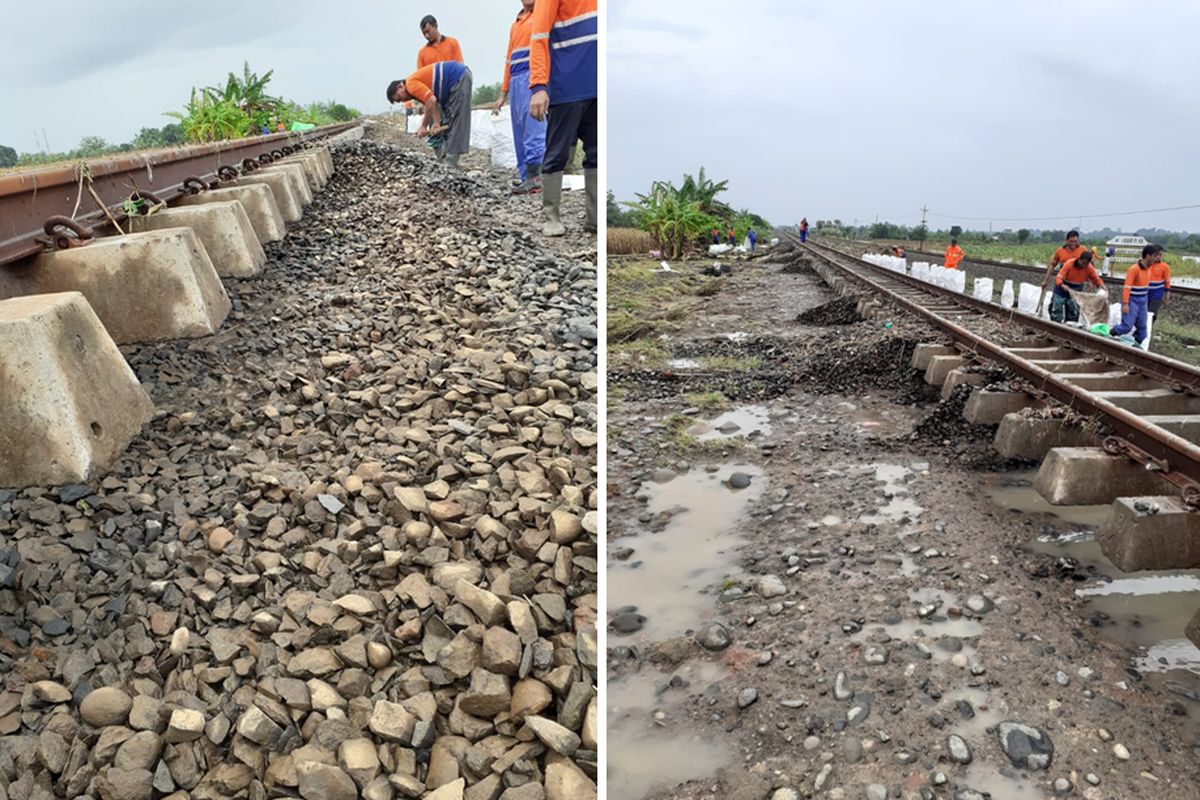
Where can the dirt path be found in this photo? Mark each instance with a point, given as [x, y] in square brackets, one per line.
[870, 593]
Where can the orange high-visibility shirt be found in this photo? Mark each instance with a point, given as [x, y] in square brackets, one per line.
[1160, 279]
[434, 82]
[1075, 276]
[1137, 282]
[954, 254]
[518, 42]
[445, 50]
[1062, 255]
[574, 19]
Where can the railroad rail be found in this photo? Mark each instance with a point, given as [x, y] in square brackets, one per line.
[1173, 457]
[85, 197]
[1184, 291]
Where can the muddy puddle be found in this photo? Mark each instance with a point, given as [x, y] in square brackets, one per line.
[648, 741]
[899, 508]
[670, 576]
[1145, 611]
[744, 421]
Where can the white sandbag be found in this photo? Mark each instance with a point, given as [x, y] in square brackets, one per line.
[1027, 299]
[504, 151]
[1149, 332]
[958, 280]
[717, 249]
[1047, 299]
[1114, 315]
[774, 242]
[1006, 295]
[982, 289]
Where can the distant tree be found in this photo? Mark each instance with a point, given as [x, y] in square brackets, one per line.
[1022, 235]
[955, 231]
[485, 95]
[618, 218]
[172, 133]
[91, 146]
[148, 138]
[8, 156]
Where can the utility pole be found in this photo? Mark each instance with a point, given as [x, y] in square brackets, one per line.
[924, 211]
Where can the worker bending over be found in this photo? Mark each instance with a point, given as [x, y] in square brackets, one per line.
[1135, 295]
[954, 254]
[1072, 249]
[1075, 274]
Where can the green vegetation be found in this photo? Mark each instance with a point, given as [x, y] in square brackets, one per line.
[681, 219]
[485, 95]
[241, 107]
[1175, 340]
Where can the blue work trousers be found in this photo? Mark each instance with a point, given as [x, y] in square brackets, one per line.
[1135, 320]
[803, 236]
[529, 135]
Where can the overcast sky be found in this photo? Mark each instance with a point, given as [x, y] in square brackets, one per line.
[852, 109]
[110, 69]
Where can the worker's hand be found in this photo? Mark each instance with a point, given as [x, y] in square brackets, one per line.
[1044, 284]
[1124, 308]
[539, 104]
[499, 104]
[1166, 299]
[422, 131]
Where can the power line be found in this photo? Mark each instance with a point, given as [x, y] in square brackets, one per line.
[1067, 217]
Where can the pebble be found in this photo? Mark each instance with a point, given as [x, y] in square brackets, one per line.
[1121, 752]
[106, 706]
[1063, 787]
[958, 750]
[739, 480]
[747, 697]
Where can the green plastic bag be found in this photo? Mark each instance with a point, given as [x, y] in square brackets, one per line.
[1100, 330]
[302, 126]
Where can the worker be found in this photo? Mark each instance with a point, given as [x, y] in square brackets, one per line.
[1106, 269]
[564, 82]
[732, 238]
[1071, 249]
[1134, 297]
[437, 48]
[716, 236]
[803, 230]
[529, 134]
[1159, 289]
[954, 254]
[898, 251]
[753, 237]
[1074, 274]
[445, 90]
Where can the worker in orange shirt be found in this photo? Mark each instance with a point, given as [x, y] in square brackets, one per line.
[954, 254]
[732, 238]
[803, 230]
[444, 89]
[898, 251]
[437, 47]
[1135, 295]
[564, 66]
[716, 236]
[1159, 289]
[529, 134]
[1072, 249]
[1075, 274]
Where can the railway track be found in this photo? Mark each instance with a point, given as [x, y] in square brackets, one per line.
[1112, 425]
[91, 195]
[1033, 271]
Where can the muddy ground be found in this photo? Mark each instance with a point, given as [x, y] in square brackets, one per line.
[881, 582]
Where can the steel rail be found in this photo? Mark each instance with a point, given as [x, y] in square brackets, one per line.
[1187, 291]
[29, 199]
[1177, 375]
[1176, 458]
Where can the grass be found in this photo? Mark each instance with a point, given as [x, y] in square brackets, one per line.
[644, 304]
[1176, 340]
[679, 444]
[708, 403]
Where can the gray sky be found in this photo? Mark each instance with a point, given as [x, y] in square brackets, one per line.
[845, 110]
[110, 69]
